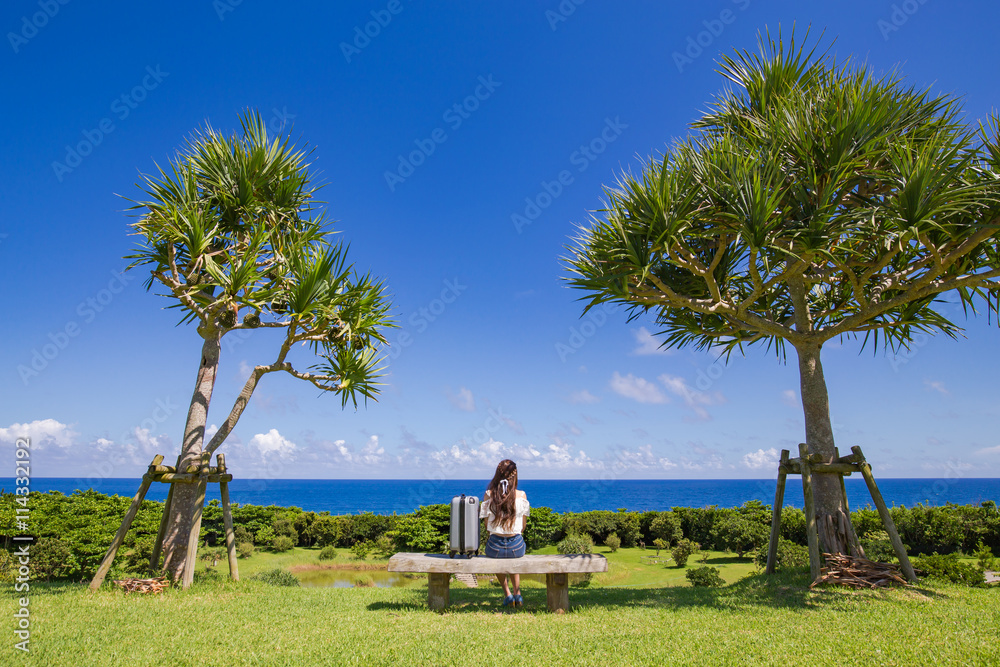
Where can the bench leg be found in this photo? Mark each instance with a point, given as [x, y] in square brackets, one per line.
[557, 592]
[437, 590]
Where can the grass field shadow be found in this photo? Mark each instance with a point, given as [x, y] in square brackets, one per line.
[756, 591]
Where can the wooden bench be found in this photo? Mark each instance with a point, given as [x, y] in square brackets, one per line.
[556, 568]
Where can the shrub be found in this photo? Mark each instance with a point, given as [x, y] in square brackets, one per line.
[328, 553]
[52, 557]
[384, 546]
[705, 576]
[276, 577]
[949, 568]
[137, 558]
[734, 531]
[542, 528]
[365, 527]
[659, 543]
[790, 556]
[361, 549]
[683, 551]
[6, 567]
[416, 533]
[285, 527]
[612, 542]
[878, 546]
[242, 535]
[282, 543]
[265, 535]
[985, 557]
[576, 544]
[667, 527]
[326, 530]
[696, 523]
[793, 525]
[627, 528]
[244, 549]
[302, 524]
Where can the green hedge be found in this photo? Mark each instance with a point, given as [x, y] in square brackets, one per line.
[86, 521]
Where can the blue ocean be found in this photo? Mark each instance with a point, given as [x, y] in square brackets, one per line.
[385, 496]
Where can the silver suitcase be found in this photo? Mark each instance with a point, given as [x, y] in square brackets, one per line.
[464, 538]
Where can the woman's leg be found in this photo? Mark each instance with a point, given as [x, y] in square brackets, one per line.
[517, 584]
[502, 578]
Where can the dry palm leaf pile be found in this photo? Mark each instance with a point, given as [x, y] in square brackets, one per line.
[155, 585]
[858, 572]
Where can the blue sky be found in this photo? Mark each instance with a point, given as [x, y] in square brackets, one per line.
[495, 110]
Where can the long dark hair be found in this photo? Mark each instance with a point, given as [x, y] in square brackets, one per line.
[502, 496]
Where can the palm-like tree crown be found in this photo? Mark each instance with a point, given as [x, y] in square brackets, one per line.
[814, 200]
[233, 230]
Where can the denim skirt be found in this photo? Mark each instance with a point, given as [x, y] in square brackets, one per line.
[498, 546]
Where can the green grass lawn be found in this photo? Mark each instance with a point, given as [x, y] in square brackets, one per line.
[637, 613]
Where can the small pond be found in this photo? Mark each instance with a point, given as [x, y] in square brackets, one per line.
[352, 578]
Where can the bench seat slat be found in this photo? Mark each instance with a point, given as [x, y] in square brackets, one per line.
[533, 564]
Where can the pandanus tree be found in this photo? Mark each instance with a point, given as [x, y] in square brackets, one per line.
[814, 200]
[233, 235]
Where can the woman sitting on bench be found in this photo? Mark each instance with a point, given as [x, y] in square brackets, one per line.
[504, 508]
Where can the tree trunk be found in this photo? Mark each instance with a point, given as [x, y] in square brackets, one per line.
[833, 521]
[185, 500]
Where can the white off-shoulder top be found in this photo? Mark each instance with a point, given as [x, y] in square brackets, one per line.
[521, 510]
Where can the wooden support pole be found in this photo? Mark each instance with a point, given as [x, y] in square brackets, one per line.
[437, 590]
[807, 492]
[227, 519]
[192, 548]
[557, 592]
[109, 557]
[779, 499]
[890, 526]
[154, 559]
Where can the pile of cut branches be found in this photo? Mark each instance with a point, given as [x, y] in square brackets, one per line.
[155, 585]
[858, 572]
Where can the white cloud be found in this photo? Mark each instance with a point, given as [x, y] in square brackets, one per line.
[989, 450]
[211, 431]
[463, 400]
[43, 434]
[936, 385]
[647, 343]
[790, 398]
[273, 443]
[694, 400]
[641, 459]
[762, 458]
[583, 397]
[637, 388]
[245, 370]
